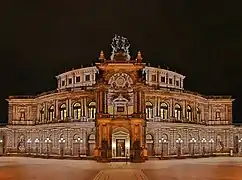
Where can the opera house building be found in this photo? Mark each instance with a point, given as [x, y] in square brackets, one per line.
[120, 108]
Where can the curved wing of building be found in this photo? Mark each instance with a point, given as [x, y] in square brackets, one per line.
[119, 108]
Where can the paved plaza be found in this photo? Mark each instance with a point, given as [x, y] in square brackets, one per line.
[21, 168]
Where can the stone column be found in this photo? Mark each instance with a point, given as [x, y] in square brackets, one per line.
[56, 110]
[38, 113]
[70, 108]
[85, 107]
[155, 108]
[159, 106]
[82, 105]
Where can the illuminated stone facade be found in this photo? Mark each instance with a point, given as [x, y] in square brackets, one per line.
[120, 108]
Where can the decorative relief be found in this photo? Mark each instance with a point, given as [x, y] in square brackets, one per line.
[120, 81]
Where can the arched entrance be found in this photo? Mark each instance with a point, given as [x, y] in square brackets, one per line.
[91, 145]
[120, 142]
[150, 144]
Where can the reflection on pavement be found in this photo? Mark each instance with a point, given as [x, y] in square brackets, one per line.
[19, 168]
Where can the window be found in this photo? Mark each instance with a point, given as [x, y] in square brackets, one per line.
[87, 77]
[189, 113]
[120, 109]
[92, 110]
[164, 111]
[70, 81]
[42, 114]
[218, 115]
[22, 115]
[149, 110]
[63, 112]
[63, 83]
[177, 83]
[51, 113]
[170, 80]
[77, 111]
[163, 79]
[198, 114]
[153, 78]
[178, 112]
[78, 79]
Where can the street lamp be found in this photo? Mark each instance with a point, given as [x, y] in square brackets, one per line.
[47, 141]
[179, 141]
[203, 143]
[29, 145]
[36, 146]
[193, 141]
[62, 144]
[211, 141]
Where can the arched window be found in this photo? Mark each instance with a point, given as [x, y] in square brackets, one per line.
[164, 111]
[92, 110]
[77, 111]
[149, 110]
[42, 114]
[51, 113]
[178, 112]
[198, 114]
[63, 112]
[189, 113]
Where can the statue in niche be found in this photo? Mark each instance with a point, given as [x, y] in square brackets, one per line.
[21, 145]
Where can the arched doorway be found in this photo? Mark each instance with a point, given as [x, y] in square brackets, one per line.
[76, 148]
[150, 144]
[164, 141]
[120, 142]
[91, 145]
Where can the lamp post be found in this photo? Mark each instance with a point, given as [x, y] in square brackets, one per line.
[203, 144]
[47, 141]
[211, 141]
[1, 146]
[240, 142]
[193, 141]
[29, 145]
[179, 141]
[36, 146]
[62, 144]
[161, 146]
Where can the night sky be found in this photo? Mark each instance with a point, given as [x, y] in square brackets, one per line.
[199, 39]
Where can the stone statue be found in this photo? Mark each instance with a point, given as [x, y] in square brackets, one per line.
[120, 44]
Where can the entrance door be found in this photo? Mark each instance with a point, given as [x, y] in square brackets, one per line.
[120, 147]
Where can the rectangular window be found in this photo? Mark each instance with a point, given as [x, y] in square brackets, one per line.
[70, 81]
[153, 78]
[63, 83]
[78, 79]
[163, 79]
[120, 109]
[170, 80]
[177, 83]
[87, 77]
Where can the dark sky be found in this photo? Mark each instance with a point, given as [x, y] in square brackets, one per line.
[200, 39]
